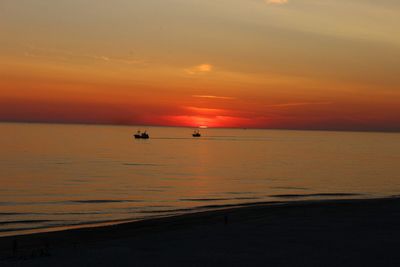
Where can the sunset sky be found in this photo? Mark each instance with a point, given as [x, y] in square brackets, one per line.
[297, 64]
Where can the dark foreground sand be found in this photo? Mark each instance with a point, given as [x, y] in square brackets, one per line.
[319, 233]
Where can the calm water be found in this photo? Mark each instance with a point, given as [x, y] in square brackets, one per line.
[64, 175]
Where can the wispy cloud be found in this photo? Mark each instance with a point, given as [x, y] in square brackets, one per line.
[215, 112]
[206, 111]
[202, 68]
[214, 97]
[65, 55]
[103, 58]
[276, 2]
[297, 104]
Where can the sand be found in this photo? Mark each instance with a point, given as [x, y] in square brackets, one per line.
[304, 233]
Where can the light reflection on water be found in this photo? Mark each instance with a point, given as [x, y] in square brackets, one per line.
[54, 175]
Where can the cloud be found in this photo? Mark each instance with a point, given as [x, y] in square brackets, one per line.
[276, 2]
[65, 55]
[213, 97]
[103, 58]
[202, 68]
[206, 111]
[297, 104]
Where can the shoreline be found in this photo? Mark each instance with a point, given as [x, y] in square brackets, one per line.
[314, 219]
[290, 199]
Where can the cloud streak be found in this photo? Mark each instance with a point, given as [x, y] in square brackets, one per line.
[214, 97]
[65, 55]
[298, 104]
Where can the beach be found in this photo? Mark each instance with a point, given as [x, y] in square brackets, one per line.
[353, 232]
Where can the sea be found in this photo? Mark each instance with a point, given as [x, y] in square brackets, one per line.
[55, 176]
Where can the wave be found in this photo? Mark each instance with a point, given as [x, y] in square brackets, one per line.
[239, 193]
[14, 213]
[204, 199]
[24, 222]
[140, 164]
[290, 188]
[217, 199]
[83, 201]
[98, 201]
[316, 195]
[22, 229]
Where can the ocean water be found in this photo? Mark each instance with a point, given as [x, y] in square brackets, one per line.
[57, 176]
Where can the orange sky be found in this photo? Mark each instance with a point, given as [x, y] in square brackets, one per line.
[299, 64]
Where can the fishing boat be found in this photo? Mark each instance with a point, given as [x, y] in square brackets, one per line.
[140, 135]
[196, 134]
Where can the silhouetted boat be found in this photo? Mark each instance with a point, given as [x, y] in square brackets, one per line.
[140, 135]
[196, 134]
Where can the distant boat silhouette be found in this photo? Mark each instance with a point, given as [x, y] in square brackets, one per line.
[196, 134]
[140, 135]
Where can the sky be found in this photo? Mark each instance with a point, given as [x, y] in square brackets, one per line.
[292, 64]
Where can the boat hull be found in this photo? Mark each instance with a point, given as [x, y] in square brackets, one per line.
[141, 136]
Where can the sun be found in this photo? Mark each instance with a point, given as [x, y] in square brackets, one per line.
[203, 126]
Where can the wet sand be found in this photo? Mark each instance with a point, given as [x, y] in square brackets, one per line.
[304, 233]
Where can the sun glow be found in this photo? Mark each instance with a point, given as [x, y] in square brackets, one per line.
[240, 73]
[194, 121]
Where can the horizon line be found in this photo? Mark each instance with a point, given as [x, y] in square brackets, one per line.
[182, 126]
